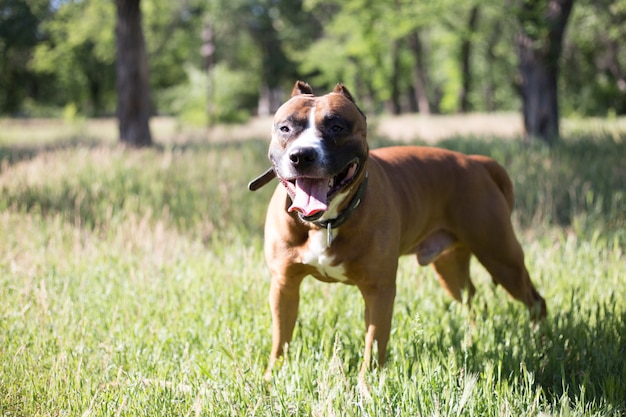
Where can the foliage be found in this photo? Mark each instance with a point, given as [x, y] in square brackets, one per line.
[79, 52]
[596, 34]
[61, 53]
[365, 32]
[133, 283]
[172, 31]
[209, 98]
[19, 21]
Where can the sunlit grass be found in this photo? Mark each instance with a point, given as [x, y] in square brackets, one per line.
[133, 283]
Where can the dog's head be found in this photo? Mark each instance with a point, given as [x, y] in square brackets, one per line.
[318, 149]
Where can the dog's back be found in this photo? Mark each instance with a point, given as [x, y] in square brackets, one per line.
[500, 177]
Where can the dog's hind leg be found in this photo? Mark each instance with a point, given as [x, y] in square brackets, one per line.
[501, 254]
[486, 230]
[453, 272]
[507, 269]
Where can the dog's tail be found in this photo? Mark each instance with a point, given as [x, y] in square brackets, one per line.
[500, 177]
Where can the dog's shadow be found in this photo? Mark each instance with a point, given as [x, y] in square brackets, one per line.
[584, 356]
[575, 354]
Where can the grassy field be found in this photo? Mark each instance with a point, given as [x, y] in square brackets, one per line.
[132, 283]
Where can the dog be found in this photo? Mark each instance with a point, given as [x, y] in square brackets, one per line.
[343, 213]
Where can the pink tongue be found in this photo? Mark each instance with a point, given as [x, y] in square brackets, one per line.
[310, 196]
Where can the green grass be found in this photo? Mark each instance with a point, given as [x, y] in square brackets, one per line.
[132, 283]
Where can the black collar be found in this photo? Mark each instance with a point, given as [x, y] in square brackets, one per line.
[344, 215]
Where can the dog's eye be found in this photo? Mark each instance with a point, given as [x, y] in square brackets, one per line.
[336, 129]
[284, 129]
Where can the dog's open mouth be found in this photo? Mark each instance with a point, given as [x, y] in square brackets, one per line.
[311, 196]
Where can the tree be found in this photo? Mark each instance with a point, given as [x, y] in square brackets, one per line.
[379, 48]
[78, 53]
[466, 52]
[19, 32]
[401, 56]
[420, 96]
[539, 43]
[276, 26]
[596, 49]
[274, 62]
[133, 91]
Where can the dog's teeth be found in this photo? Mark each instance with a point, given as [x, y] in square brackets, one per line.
[331, 182]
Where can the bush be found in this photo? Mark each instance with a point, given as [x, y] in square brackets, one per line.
[222, 96]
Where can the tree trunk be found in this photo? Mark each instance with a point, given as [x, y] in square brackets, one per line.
[396, 106]
[270, 99]
[208, 54]
[466, 53]
[133, 90]
[418, 73]
[539, 96]
[274, 61]
[539, 45]
[489, 92]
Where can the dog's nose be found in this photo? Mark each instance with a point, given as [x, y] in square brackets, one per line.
[303, 157]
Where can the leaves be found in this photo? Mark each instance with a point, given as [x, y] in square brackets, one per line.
[67, 50]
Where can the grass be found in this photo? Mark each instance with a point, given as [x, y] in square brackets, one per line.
[133, 283]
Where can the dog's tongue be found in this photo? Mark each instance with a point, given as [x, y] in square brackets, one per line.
[310, 196]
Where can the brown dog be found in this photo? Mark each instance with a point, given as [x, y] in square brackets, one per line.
[345, 214]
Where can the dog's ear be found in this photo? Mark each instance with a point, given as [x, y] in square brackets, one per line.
[341, 89]
[301, 88]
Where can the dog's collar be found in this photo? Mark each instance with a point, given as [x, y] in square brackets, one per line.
[345, 214]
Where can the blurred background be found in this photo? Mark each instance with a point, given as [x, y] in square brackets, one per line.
[208, 62]
[218, 61]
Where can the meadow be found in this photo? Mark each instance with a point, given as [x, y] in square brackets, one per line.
[132, 283]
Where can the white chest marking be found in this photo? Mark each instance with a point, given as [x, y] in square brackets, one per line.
[318, 257]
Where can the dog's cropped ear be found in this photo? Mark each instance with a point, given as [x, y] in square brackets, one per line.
[301, 88]
[262, 179]
[341, 89]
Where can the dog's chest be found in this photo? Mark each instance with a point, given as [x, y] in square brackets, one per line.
[318, 256]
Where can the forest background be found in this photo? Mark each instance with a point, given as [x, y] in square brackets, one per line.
[224, 61]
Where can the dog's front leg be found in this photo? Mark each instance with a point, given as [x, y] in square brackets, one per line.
[284, 300]
[378, 313]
